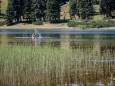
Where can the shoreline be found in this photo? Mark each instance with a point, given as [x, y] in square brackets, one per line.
[52, 27]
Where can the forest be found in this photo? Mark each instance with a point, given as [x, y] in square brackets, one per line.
[49, 10]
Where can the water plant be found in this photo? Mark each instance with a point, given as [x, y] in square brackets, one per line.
[49, 66]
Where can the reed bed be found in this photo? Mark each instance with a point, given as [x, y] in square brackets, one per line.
[49, 66]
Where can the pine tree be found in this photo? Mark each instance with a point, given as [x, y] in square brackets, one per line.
[10, 16]
[73, 8]
[84, 8]
[18, 9]
[15, 10]
[38, 7]
[53, 10]
[107, 7]
[63, 1]
[27, 9]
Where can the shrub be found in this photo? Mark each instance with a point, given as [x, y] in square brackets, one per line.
[92, 24]
[71, 24]
[2, 23]
[58, 21]
[38, 23]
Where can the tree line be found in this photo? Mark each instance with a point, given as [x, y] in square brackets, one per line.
[49, 10]
[42, 10]
[84, 9]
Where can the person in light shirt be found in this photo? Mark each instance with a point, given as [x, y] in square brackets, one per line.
[33, 38]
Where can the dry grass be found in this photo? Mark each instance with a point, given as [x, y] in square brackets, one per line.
[4, 4]
[31, 26]
[65, 12]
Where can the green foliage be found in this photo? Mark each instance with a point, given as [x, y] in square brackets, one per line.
[71, 24]
[14, 11]
[41, 10]
[27, 9]
[38, 7]
[107, 7]
[92, 24]
[53, 10]
[10, 13]
[82, 8]
[73, 8]
[2, 23]
[38, 23]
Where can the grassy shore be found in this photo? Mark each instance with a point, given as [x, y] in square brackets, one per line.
[31, 26]
[62, 26]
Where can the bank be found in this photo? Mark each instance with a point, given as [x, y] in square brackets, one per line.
[62, 26]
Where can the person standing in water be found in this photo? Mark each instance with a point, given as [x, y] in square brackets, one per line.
[33, 38]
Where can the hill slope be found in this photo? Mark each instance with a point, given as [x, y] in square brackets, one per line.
[4, 4]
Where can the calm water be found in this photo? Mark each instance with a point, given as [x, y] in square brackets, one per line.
[60, 38]
[100, 41]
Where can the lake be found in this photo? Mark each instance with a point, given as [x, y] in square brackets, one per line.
[90, 57]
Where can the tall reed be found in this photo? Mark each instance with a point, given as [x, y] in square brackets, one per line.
[49, 66]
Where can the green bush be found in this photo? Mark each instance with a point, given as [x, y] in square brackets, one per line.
[2, 23]
[71, 24]
[38, 23]
[92, 24]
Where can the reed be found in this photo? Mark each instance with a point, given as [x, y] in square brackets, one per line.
[49, 66]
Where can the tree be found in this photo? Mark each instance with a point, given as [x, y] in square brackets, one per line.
[18, 9]
[63, 2]
[14, 11]
[84, 8]
[53, 10]
[27, 9]
[38, 7]
[107, 7]
[73, 8]
[10, 13]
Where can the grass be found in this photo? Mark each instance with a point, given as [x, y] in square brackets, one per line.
[49, 66]
[31, 26]
[2, 20]
[105, 23]
[4, 4]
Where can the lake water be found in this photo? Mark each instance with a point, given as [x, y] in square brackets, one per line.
[60, 38]
[98, 40]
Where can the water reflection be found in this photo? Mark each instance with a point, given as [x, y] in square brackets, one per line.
[72, 85]
[4, 39]
[65, 44]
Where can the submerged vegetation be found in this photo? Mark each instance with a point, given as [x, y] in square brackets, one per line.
[49, 66]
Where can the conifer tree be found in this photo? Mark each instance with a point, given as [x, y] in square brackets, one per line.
[53, 10]
[15, 10]
[84, 8]
[10, 16]
[73, 8]
[27, 9]
[107, 7]
[38, 7]
[18, 9]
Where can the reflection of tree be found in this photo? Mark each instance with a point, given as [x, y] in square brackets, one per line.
[65, 43]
